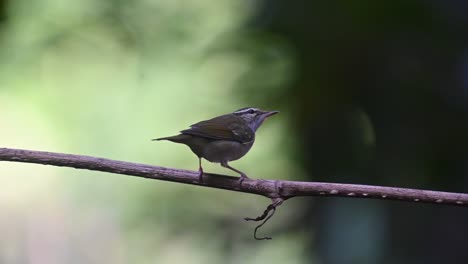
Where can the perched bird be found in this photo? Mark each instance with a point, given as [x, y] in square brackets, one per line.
[224, 138]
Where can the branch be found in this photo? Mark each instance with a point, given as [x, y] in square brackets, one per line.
[278, 190]
[268, 188]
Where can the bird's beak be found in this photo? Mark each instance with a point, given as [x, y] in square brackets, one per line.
[269, 113]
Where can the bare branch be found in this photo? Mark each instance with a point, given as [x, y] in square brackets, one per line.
[268, 188]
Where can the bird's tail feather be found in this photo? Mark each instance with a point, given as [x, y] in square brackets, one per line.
[178, 139]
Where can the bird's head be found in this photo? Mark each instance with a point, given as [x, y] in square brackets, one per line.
[254, 117]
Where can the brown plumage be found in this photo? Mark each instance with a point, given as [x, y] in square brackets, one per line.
[224, 138]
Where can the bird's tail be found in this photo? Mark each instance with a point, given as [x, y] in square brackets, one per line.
[178, 139]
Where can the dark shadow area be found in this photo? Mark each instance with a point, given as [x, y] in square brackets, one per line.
[380, 96]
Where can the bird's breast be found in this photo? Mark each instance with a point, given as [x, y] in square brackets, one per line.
[225, 150]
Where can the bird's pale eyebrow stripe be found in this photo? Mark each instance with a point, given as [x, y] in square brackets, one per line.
[244, 110]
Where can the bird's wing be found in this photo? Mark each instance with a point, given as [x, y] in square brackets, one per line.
[226, 127]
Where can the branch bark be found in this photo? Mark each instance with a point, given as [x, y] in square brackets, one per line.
[274, 189]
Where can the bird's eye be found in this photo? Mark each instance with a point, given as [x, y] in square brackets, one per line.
[251, 111]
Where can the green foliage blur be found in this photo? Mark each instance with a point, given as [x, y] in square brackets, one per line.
[370, 92]
[102, 78]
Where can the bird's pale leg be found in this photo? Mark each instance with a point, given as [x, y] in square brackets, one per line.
[200, 170]
[243, 176]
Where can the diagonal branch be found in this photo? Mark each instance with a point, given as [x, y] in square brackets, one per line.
[268, 188]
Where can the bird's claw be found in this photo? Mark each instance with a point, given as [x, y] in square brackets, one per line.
[242, 178]
[200, 175]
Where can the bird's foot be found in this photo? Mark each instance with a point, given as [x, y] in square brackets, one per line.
[200, 175]
[242, 178]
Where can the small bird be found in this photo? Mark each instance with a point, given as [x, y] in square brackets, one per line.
[224, 138]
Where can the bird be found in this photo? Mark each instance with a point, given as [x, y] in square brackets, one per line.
[223, 138]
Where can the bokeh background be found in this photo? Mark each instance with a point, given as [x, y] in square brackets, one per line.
[370, 92]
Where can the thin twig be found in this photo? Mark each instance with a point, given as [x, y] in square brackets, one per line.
[260, 225]
[270, 208]
[262, 216]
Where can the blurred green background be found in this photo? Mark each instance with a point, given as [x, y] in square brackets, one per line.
[369, 92]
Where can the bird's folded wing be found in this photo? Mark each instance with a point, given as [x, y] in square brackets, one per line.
[227, 127]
